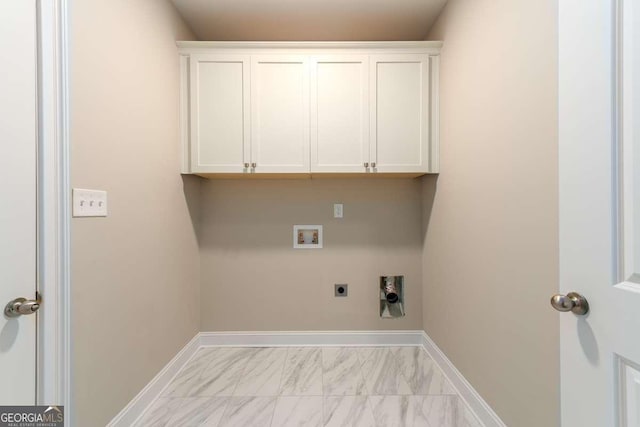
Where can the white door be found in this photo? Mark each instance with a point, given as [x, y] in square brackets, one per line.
[280, 114]
[399, 113]
[339, 113]
[18, 189]
[599, 164]
[219, 92]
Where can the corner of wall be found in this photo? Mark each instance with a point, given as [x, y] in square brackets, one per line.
[135, 273]
[495, 213]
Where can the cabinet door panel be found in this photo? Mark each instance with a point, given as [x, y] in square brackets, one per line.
[280, 114]
[219, 113]
[400, 113]
[339, 113]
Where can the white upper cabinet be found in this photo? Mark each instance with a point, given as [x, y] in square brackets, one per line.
[400, 113]
[219, 119]
[280, 114]
[309, 108]
[339, 113]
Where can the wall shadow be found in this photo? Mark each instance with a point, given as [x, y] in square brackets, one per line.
[192, 187]
[429, 187]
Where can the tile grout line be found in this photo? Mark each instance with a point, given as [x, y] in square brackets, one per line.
[199, 377]
[244, 368]
[227, 400]
[423, 397]
[366, 388]
[413, 392]
[182, 403]
[402, 375]
[284, 365]
[322, 377]
[230, 397]
[322, 371]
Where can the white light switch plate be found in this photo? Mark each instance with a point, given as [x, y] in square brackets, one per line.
[89, 202]
[338, 210]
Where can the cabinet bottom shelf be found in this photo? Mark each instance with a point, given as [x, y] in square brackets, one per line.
[309, 175]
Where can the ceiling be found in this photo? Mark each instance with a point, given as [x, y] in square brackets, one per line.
[310, 20]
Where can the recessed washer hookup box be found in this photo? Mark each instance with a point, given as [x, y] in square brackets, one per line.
[392, 296]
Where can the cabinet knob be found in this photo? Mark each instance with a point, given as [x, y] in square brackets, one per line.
[253, 165]
[366, 164]
[246, 165]
[373, 164]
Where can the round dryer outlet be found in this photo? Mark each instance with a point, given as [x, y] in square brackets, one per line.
[341, 290]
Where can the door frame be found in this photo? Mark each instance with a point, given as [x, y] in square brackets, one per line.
[54, 327]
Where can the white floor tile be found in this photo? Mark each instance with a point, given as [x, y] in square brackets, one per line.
[302, 374]
[311, 387]
[248, 412]
[298, 411]
[198, 411]
[190, 373]
[352, 411]
[381, 372]
[263, 372]
[217, 374]
[159, 413]
[421, 372]
[447, 411]
[341, 374]
[398, 411]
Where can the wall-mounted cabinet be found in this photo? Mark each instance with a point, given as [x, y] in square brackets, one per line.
[400, 113]
[339, 113]
[219, 119]
[279, 114]
[259, 109]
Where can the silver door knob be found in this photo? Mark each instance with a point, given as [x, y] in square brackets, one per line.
[21, 306]
[573, 302]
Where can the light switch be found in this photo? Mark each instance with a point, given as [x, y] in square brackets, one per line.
[87, 203]
[337, 210]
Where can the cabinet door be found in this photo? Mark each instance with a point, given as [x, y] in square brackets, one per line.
[400, 113]
[219, 113]
[280, 113]
[339, 113]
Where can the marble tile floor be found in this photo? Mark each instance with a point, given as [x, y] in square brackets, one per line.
[311, 387]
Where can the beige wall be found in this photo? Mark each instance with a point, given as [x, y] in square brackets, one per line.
[252, 279]
[135, 275]
[491, 246]
[479, 254]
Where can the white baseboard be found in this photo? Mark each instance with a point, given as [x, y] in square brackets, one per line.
[151, 391]
[311, 338]
[147, 395]
[467, 393]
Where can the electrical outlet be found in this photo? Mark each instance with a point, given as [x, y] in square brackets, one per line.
[341, 290]
[338, 210]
